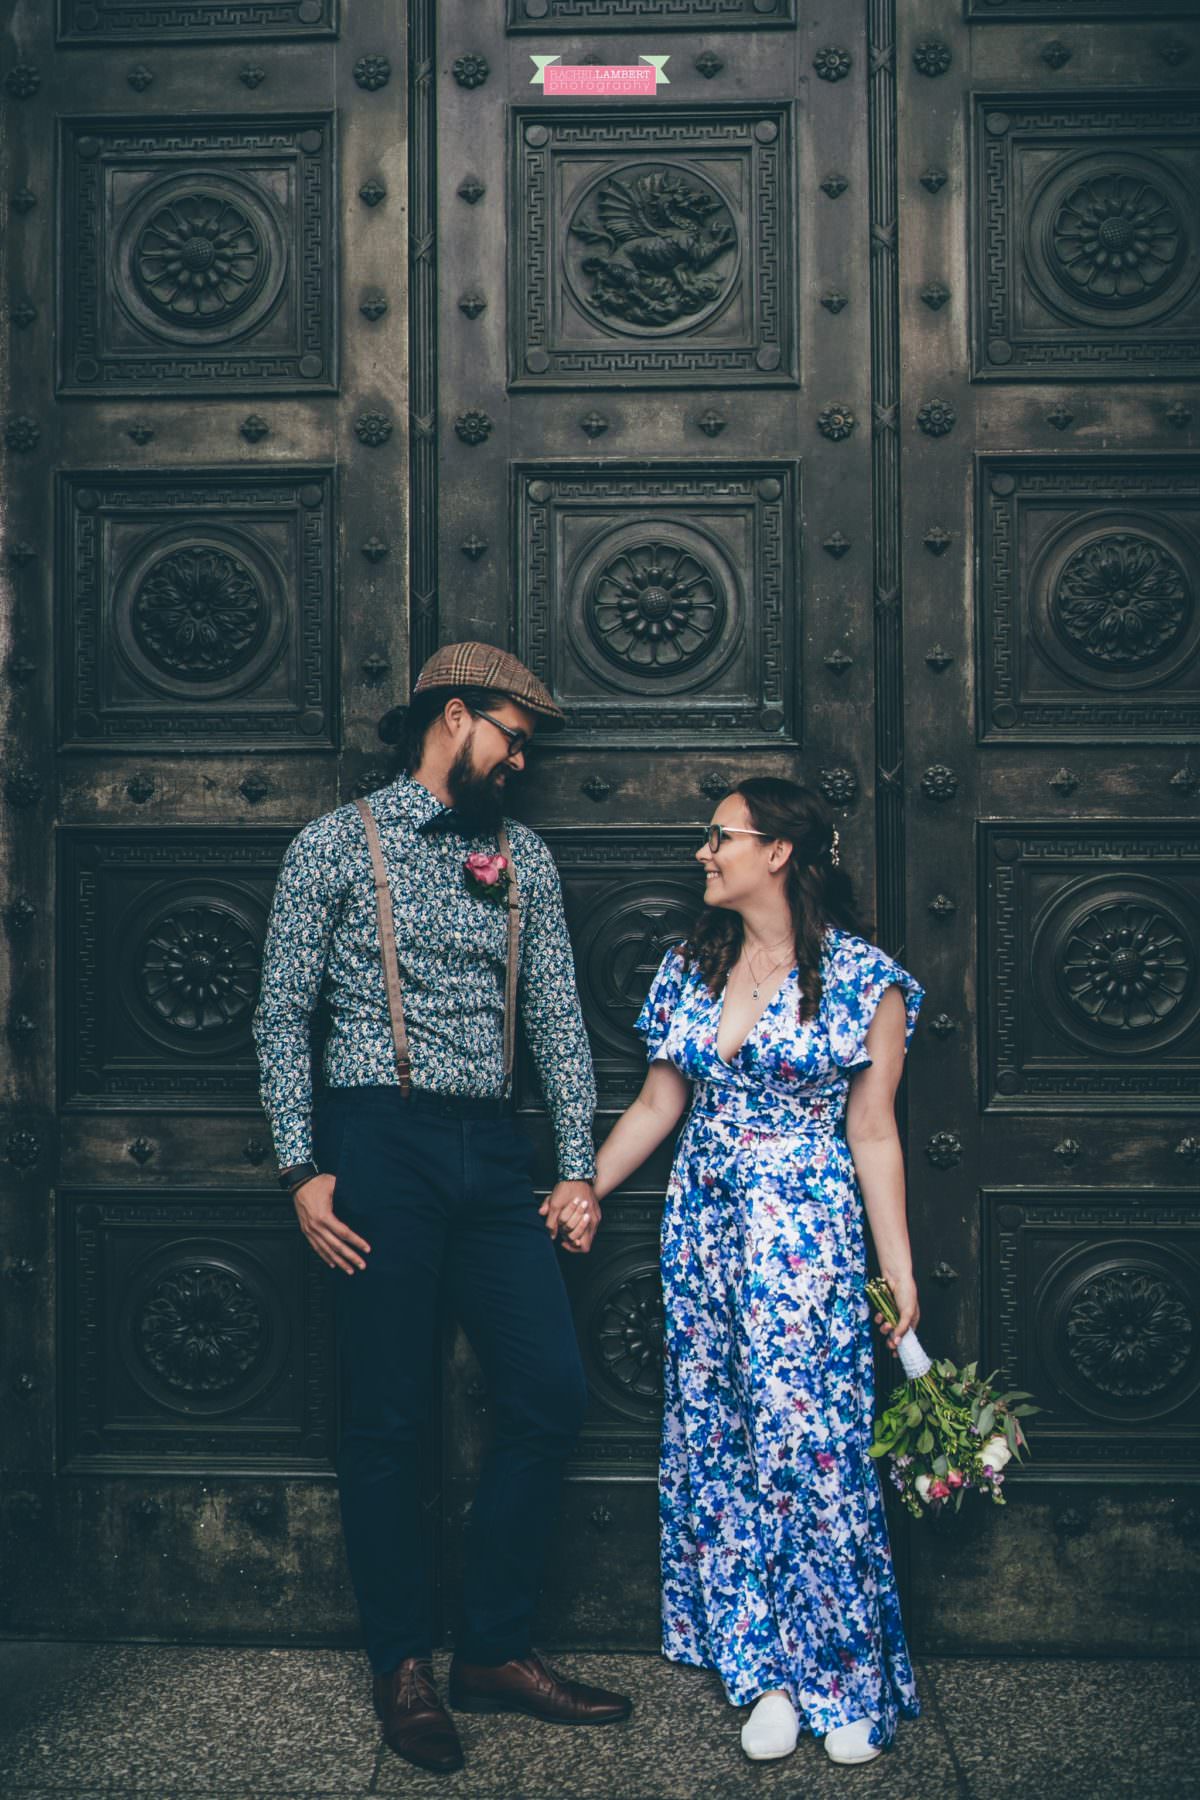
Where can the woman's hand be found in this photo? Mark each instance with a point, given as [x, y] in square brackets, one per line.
[572, 1214]
[904, 1293]
[330, 1237]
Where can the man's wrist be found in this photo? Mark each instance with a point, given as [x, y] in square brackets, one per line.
[295, 1177]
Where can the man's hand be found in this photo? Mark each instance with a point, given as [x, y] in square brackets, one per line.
[333, 1241]
[572, 1214]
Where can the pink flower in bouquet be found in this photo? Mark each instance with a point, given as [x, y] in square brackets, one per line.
[939, 1490]
[955, 1478]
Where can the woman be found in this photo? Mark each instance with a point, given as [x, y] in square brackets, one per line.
[789, 1031]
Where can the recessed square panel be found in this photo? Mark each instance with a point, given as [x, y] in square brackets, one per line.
[198, 256]
[664, 15]
[1086, 261]
[196, 606]
[197, 1334]
[629, 895]
[616, 1299]
[163, 932]
[652, 247]
[1091, 966]
[99, 22]
[1089, 597]
[659, 601]
[1071, 12]
[1092, 1303]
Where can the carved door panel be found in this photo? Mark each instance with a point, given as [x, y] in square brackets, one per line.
[187, 196]
[653, 479]
[1051, 329]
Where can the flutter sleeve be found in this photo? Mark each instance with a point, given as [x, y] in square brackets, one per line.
[859, 976]
[654, 1020]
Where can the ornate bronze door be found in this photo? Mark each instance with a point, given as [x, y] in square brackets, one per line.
[206, 583]
[656, 479]
[796, 419]
[1050, 315]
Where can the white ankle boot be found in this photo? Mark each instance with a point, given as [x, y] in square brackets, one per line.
[772, 1728]
[851, 1743]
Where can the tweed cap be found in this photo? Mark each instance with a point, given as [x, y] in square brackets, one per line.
[483, 666]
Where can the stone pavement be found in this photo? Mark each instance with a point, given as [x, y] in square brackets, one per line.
[79, 1721]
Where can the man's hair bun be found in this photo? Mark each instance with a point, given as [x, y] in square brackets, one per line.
[391, 726]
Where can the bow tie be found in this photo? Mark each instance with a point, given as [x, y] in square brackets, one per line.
[443, 821]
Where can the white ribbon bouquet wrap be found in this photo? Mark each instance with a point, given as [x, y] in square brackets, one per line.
[946, 1431]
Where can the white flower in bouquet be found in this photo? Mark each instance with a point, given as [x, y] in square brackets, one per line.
[922, 1485]
[995, 1454]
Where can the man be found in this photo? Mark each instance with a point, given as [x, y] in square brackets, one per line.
[413, 1177]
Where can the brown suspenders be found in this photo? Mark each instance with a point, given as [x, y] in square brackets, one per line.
[391, 967]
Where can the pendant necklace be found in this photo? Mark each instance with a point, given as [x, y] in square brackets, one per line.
[755, 985]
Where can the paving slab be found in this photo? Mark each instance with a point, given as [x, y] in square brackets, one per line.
[143, 1719]
[1069, 1730]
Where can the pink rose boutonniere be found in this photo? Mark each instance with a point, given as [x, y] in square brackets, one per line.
[487, 876]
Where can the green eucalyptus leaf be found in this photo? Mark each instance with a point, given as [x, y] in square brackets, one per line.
[925, 1442]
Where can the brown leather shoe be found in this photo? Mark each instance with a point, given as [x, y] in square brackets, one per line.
[528, 1686]
[415, 1723]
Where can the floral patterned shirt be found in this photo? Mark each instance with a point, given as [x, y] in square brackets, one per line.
[451, 943]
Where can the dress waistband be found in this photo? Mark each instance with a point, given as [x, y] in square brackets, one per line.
[814, 1116]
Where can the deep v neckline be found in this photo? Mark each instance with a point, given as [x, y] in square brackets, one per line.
[773, 1001]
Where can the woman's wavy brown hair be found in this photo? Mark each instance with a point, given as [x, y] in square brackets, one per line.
[819, 891]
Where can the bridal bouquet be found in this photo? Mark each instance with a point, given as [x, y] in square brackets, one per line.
[946, 1430]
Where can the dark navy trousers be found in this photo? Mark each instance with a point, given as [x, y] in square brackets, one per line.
[447, 1206]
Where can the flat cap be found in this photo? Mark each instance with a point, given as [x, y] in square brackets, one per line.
[483, 666]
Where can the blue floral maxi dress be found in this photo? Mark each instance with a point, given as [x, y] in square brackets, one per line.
[776, 1569]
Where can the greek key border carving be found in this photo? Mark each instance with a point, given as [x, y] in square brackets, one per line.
[1100, 479]
[683, 362]
[230, 370]
[1086, 353]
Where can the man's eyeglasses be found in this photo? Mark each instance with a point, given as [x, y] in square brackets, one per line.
[715, 835]
[518, 741]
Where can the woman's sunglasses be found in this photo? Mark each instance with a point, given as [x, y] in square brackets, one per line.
[715, 835]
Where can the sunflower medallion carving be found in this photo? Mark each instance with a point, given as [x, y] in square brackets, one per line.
[200, 1330]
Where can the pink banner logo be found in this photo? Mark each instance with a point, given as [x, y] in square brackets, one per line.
[556, 77]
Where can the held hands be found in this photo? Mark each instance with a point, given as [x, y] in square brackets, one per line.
[572, 1214]
[904, 1292]
[333, 1241]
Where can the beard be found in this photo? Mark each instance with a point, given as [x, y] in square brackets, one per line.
[478, 799]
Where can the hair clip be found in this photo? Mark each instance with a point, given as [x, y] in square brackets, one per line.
[834, 858]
